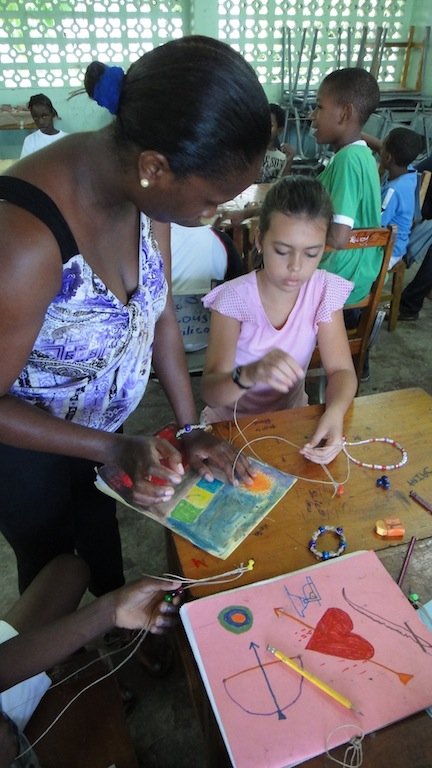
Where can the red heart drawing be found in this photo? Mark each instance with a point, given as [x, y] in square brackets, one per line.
[333, 635]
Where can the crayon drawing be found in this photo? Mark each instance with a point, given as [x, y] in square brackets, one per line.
[214, 516]
[351, 627]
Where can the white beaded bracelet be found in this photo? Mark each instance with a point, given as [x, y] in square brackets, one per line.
[188, 428]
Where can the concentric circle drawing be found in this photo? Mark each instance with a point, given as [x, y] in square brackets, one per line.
[236, 618]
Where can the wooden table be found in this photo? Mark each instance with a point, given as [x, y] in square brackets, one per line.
[12, 119]
[279, 544]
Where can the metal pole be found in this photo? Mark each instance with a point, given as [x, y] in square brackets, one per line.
[362, 49]
[309, 71]
[339, 48]
[282, 95]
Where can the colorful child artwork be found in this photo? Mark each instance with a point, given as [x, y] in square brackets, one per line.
[344, 621]
[215, 516]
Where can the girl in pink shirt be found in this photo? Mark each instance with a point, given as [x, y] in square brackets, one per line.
[266, 324]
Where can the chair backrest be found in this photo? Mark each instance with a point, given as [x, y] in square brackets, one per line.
[423, 186]
[358, 338]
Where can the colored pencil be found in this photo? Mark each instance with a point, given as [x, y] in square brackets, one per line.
[311, 677]
[420, 500]
[406, 561]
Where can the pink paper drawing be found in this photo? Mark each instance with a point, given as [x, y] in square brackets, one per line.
[362, 637]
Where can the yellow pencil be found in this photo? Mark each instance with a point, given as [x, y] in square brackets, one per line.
[312, 678]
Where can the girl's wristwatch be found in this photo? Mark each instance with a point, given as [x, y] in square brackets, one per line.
[235, 375]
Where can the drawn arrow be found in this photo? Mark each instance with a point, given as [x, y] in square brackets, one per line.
[254, 646]
[404, 677]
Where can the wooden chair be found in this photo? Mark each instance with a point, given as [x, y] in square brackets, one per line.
[360, 338]
[393, 296]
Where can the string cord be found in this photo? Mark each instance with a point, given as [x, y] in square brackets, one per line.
[142, 634]
[136, 641]
[344, 444]
[353, 755]
[248, 443]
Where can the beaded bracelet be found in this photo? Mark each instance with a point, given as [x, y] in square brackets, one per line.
[388, 440]
[327, 554]
[188, 428]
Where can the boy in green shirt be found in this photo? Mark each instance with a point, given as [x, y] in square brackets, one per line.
[345, 100]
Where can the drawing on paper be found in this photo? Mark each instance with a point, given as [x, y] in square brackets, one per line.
[236, 618]
[307, 595]
[215, 516]
[349, 624]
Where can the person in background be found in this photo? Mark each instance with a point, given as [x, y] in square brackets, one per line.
[278, 157]
[200, 255]
[265, 325]
[419, 289]
[43, 114]
[345, 99]
[45, 626]
[408, 147]
[398, 183]
[85, 306]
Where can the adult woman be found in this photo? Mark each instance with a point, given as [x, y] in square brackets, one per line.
[76, 338]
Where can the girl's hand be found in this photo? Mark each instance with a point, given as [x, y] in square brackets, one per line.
[327, 441]
[141, 604]
[276, 369]
[153, 465]
[205, 451]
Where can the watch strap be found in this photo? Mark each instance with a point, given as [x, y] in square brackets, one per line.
[235, 375]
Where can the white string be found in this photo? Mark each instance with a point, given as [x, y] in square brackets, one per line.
[353, 756]
[142, 634]
[331, 481]
[248, 443]
[100, 657]
[187, 583]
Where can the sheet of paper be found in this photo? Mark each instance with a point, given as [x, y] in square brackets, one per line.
[347, 622]
[215, 516]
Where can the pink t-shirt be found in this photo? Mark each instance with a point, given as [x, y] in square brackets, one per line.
[317, 300]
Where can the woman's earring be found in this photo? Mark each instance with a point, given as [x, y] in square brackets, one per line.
[144, 183]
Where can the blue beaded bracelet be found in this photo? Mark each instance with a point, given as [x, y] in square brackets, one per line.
[326, 555]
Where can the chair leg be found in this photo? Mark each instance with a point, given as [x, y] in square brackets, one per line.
[397, 285]
[379, 319]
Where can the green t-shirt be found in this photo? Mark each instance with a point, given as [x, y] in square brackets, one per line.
[352, 181]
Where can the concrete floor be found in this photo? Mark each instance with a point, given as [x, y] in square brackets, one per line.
[164, 725]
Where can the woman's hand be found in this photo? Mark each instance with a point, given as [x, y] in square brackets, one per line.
[141, 604]
[206, 452]
[153, 465]
[276, 369]
[327, 441]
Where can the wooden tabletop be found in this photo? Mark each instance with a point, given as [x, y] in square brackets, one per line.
[279, 544]
[15, 119]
